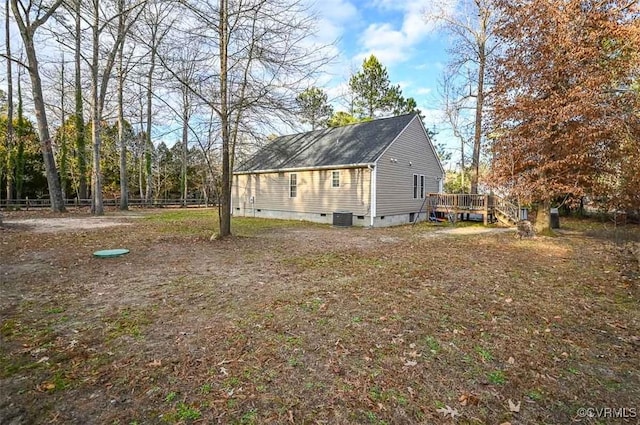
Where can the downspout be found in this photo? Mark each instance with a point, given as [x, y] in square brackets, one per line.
[232, 190]
[372, 209]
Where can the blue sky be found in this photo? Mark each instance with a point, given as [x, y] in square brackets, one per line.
[413, 52]
[397, 33]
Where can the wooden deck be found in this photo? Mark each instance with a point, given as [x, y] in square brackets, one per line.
[459, 206]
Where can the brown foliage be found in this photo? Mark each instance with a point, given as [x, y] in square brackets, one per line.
[562, 107]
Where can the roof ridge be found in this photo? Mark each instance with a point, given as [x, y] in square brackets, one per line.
[347, 125]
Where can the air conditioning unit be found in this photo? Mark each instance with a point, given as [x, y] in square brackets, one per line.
[343, 219]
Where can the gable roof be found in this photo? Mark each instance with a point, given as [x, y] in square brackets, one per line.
[360, 143]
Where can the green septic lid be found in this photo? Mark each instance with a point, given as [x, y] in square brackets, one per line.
[108, 253]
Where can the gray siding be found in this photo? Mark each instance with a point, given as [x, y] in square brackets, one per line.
[315, 194]
[410, 154]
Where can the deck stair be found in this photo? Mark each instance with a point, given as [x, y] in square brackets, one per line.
[506, 212]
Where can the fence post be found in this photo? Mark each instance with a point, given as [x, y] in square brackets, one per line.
[486, 209]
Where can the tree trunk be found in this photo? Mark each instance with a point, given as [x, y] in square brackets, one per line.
[149, 143]
[225, 204]
[97, 207]
[63, 136]
[141, 169]
[543, 220]
[81, 148]
[185, 144]
[477, 136]
[10, 133]
[53, 181]
[124, 187]
[19, 163]
[141, 148]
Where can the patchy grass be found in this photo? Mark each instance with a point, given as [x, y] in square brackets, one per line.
[297, 323]
[205, 222]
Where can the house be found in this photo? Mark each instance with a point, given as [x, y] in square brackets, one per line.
[375, 173]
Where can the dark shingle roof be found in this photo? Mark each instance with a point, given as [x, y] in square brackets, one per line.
[360, 143]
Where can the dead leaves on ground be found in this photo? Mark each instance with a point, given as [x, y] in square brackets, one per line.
[513, 407]
[448, 411]
[468, 399]
[46, 386]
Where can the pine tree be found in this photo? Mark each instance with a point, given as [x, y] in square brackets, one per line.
[314, 107]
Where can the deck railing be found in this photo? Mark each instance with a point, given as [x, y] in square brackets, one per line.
[460, 201]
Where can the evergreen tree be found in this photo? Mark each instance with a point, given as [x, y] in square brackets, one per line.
[373, 94]
[314, 107]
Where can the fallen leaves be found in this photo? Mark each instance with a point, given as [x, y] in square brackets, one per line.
[448, 411]
[468, 399]
[513, 407]
[46, 386]
[421, 352]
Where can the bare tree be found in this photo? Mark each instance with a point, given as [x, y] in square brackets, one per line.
[30, 16]
[125, 14]
[79, 108]
[155, 27]
[258, 57]
[63, 147]
[455, 104]
[186, 68]
[472, 25]
[124, 189]
[186, 116]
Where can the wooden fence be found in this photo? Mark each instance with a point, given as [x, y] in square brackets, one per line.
[27, 203]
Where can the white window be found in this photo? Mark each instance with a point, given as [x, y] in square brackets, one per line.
[422, 186]
[415, 186]
[293, 185]
[335, 179]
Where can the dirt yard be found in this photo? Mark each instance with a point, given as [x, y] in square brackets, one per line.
[289, 322]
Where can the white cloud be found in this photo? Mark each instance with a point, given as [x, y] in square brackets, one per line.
[385, 43]
[423, 91]
[338, 10]
[405, 84]
[396, 44]
[334, 16]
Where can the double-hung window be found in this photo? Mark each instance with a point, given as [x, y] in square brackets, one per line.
[418, 186]
[293, 185]
[335, 179]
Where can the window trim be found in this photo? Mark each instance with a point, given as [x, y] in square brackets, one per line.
[415, 186]
[422, 186]
[293, 185]
[333, 179]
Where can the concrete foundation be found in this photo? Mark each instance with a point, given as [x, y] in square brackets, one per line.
[327, 218]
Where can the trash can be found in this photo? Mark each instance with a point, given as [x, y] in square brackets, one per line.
[342, 218]
[554, 218]
[524, 214]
